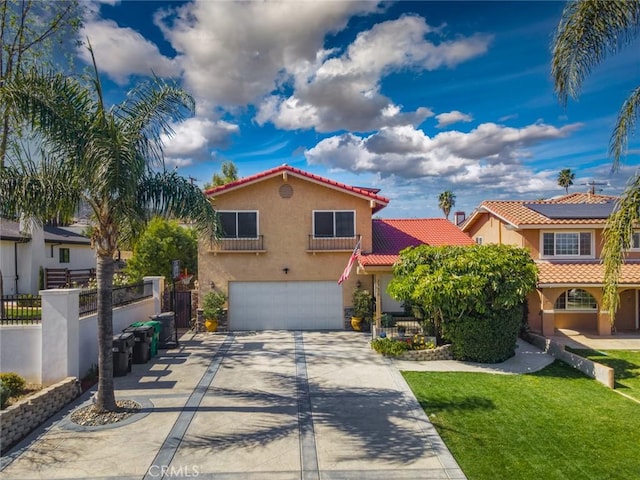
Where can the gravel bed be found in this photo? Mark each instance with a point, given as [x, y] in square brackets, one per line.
[89, 416]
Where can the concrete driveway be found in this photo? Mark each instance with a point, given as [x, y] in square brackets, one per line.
[267, 405]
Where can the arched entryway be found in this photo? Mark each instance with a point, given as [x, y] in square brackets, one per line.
[576, 309]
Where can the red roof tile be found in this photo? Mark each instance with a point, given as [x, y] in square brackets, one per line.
[391, 236]
[584, 273]
[370, 193]
[518, 214]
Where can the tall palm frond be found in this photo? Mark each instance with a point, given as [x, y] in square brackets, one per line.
[588, 32]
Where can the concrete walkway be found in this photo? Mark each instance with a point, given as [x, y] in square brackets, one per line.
[256, 406]
[527, 359]
[619, 341]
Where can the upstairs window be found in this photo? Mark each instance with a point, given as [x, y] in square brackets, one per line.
[334, 224]
[635, 241]
[567, 244]
[576, 299]
[239, 224]
[65, 255]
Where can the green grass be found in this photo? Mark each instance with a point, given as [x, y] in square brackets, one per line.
[553, 424]
[25, 313]
[625, 363]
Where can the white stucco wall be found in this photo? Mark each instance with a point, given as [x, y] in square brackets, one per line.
[80, 256]
[122, 318]
[21, 351]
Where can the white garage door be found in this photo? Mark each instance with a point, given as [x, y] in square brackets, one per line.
[285, 306]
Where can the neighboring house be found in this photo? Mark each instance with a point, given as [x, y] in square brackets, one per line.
[391, 237]
[564, 237]
[286, 238]
[25, 250]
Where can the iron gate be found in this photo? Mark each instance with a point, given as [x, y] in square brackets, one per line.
[180, 303]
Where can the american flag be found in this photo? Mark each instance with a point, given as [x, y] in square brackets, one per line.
[352, 260]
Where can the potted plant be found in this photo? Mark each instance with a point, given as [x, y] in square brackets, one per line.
[361, 308]
[212, 309]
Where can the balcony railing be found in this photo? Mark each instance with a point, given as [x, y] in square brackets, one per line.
[332, 243]
[238, 244]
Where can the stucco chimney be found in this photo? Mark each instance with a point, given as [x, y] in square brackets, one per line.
[459, 217]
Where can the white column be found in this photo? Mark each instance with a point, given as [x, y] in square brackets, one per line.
[60, 334]
[158, 290]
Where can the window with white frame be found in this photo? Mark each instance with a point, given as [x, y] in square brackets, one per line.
[635, 241]
[576, 299]
[334, 224]
[567, 244]
[479, 240]
[240, 224]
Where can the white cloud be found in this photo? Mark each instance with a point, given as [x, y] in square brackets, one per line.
[449, 118]
[343, 93]
[194, 139]
[122, 52]
[489, 156]
[234, 53]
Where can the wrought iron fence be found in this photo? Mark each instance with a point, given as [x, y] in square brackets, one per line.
[20, 309]
[122, 295]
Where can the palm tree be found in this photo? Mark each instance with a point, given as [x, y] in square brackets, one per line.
[446, 201]
[588, 31]
[565, 178]
[104, 157]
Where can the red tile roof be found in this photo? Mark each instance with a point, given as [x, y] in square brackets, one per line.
[518, 214]
[584, 273]
[392, 236]
[369, 193]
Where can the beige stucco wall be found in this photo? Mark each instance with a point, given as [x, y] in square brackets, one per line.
[286, 225]
[626, 314]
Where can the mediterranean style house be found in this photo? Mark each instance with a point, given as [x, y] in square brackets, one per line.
[287, 236]
[564, 237]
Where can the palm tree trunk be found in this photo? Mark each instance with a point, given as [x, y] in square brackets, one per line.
[105, 400]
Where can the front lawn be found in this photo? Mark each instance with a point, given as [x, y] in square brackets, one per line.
[553, 424]
[625, 363]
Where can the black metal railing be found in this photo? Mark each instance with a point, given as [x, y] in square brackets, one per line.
[20, 309]
[238, 244]
[122, 295]
[332, 243]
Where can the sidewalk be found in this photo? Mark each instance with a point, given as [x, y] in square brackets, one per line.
[527, 359]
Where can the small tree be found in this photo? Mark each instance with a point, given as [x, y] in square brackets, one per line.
[475, 294]
[163, 241]
[229, 174]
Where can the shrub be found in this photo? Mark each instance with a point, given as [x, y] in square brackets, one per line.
[4, 395]
[212, 304]
[388, 346]
[14, 382]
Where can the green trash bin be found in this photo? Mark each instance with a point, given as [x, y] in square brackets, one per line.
[155, 337]
[155, 340]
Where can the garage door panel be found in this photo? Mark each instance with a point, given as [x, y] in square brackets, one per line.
[285, 306]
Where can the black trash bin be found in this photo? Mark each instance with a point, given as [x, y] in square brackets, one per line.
[167, 329]
[142, 345]
[122, 353]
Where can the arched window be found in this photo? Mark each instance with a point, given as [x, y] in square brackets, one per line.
[576, 299]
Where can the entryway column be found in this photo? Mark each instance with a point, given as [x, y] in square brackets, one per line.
[60, 334]
[604, 322]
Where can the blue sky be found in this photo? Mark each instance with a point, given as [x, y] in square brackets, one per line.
[413, 98]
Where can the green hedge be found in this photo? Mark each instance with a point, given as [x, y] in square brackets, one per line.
[490, 339]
